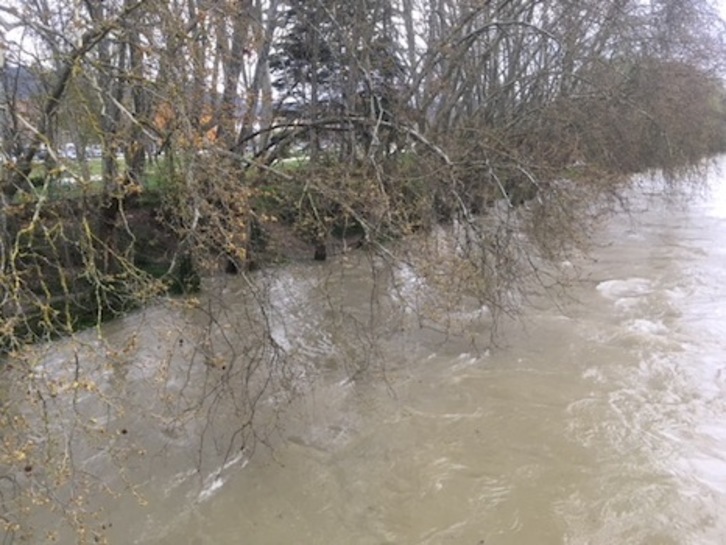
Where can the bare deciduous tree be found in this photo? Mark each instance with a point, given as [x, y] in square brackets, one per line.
[460, 140]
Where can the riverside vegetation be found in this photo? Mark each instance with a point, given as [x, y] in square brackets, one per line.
[233, 136]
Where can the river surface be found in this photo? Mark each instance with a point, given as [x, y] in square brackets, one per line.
[599, 419]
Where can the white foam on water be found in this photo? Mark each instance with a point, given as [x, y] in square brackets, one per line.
[209, 490]
[630, 287]
[626, 304]
[646, 327]
[179, 479]
[215, 481]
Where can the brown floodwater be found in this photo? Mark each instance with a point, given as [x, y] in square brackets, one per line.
[598, 419]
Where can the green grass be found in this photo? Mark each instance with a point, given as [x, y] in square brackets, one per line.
[292, 163]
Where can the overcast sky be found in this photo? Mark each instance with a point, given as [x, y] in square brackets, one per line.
[14, 35]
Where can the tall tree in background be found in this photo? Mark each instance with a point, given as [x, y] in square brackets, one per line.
[226, 123]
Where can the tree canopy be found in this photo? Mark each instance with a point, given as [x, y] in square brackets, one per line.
[146, 144]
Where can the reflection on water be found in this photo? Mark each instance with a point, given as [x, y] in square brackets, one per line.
[598, 422]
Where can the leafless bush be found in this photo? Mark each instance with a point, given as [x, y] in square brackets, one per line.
[464, 148]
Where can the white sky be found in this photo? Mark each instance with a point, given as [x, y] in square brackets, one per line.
[14, 35]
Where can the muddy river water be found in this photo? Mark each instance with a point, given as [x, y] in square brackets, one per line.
[595, 420]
